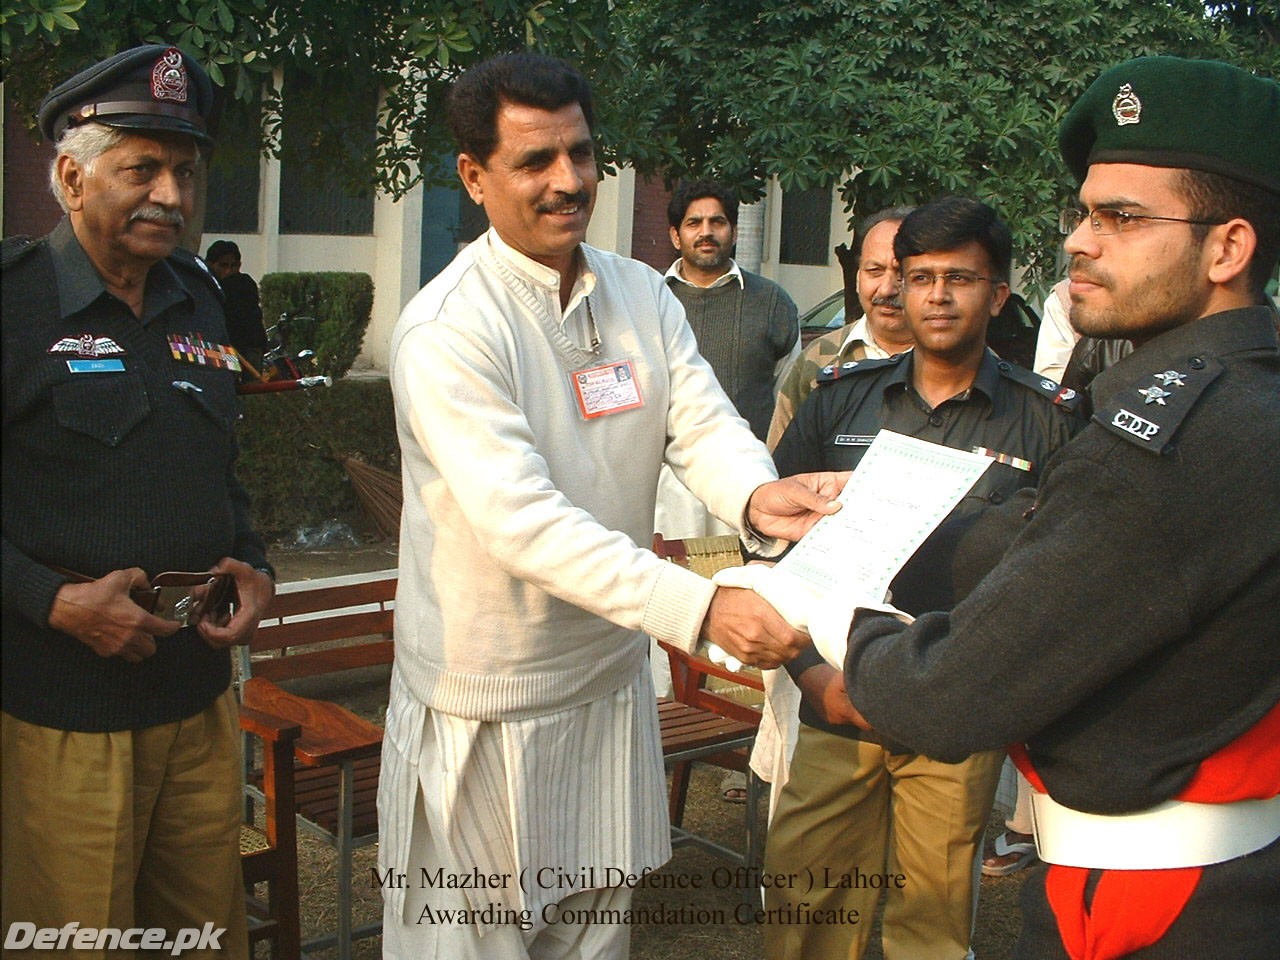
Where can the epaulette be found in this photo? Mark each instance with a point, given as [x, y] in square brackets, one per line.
[1149, 412]
[837, 371]
[1049, 389]
[13, 249]
[188, 262]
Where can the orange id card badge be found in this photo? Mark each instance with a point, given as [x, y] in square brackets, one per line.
[610, 387]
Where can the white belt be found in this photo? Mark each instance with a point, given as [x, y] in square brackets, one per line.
[1175, 833]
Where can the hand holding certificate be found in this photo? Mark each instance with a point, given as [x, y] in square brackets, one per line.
[901, 491]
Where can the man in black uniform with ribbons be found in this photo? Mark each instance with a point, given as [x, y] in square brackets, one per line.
[1143, 586]
[856, 801]
[121, 773]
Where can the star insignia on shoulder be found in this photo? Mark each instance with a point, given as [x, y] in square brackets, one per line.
[1154, 394]
[1171, 377]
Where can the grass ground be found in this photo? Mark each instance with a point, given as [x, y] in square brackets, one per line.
[713, 932]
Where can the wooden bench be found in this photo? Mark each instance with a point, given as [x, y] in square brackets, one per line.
[313, 629]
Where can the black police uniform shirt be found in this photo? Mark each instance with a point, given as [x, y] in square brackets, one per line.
[1016, 415]
[116, 454]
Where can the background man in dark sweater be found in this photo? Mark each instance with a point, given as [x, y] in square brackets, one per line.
[745, 326]
[121, 760]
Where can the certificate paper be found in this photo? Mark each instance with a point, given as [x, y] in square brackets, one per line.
[901, 490]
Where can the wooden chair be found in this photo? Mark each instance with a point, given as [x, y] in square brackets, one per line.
[269, 854]
[313, 629]
[709, 718]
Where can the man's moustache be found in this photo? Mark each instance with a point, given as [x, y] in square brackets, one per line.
[564, 202]
[154, 214]
[886, 302]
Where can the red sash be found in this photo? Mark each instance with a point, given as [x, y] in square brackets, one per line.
[1132, 909]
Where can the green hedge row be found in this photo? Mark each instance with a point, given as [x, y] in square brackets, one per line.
[327, 313]
[292, 445]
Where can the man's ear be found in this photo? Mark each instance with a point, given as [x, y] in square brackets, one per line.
[675, 237]
[1230, 250]
[71, 179]
[999, 296]
[470, 171]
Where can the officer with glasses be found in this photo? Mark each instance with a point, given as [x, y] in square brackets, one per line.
[1143, 580]
[858, 797]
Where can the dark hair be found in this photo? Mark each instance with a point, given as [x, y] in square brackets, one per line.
[220, 248]
[951, 222]
[1211, 196]
[873, 220]
[526, 79]
[686, 193]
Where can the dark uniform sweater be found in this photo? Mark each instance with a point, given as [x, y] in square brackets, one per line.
[1133, 627]
[743, 330]
[115, 455]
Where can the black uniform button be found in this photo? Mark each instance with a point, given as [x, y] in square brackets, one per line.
[996, 497]
[1197, 363]
[1005, 365]
[935, 420]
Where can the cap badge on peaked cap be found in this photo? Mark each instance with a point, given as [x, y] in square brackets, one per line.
[169, 77]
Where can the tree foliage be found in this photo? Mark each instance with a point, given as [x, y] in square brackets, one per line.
[892, 100]
[897, 101]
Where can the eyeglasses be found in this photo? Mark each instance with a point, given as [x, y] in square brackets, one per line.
[920, 281]
[1106, 222]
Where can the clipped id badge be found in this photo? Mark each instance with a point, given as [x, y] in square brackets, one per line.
[606, 388]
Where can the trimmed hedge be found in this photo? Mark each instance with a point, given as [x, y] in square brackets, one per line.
[328, 313]
[292, 445]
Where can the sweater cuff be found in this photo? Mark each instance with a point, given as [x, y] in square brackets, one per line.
[677, 607]
[31, 590]
[808, 657]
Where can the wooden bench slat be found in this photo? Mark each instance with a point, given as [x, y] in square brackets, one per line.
[342, 627]
[311, 663]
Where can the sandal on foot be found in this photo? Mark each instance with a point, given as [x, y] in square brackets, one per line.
[1008, 857]
[733, 788]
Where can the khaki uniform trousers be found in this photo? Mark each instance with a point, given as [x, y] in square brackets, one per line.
[134, 828]
[854, 809]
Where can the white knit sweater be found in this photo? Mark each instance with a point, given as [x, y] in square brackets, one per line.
[526, 584]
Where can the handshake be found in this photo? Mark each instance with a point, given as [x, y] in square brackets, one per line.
[762, 617]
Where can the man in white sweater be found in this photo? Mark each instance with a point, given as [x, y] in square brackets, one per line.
[540, 384]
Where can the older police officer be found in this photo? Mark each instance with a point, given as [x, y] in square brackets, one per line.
[120, 751]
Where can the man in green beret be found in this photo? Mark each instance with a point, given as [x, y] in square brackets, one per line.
[121, 760]
[1150, 726]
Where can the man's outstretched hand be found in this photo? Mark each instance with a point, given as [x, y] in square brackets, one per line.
[742, 623]
[787, 508]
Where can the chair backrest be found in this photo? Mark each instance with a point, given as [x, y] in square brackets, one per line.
[298, 636]
[689, 672]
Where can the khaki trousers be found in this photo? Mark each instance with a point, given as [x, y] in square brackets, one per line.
[135, 828]
[867, 824]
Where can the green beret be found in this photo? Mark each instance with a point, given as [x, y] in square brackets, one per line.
[151, 88]
[1169, 112]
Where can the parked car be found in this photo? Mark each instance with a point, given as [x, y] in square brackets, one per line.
[826, 316]
[1012, 334]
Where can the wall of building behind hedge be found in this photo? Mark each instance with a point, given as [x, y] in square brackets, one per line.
[292, 445]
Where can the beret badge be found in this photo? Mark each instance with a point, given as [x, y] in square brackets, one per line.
[169, 77]
[1126, 107]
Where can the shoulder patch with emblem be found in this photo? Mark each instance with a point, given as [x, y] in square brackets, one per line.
[838, 371]
[188, 263]
[1049, 389]
[1149, 411]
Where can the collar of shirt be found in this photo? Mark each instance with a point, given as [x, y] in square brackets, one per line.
[80, 284]
[540, 274]
[986, 382]
[676, 272]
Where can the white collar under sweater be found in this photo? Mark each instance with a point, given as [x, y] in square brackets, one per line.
[576, 324]
[676, 271]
